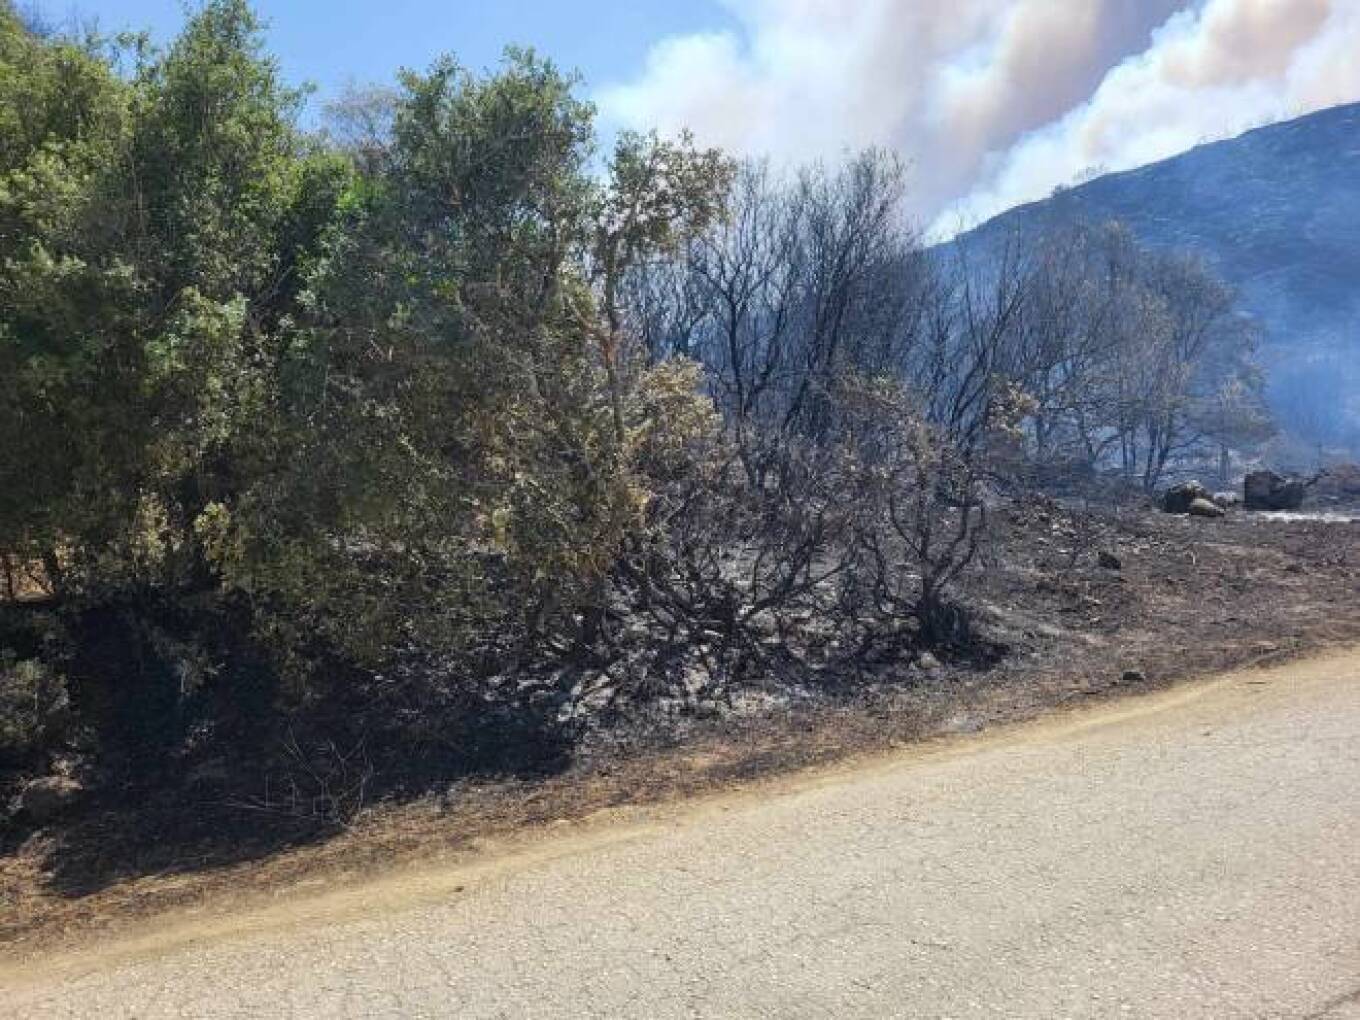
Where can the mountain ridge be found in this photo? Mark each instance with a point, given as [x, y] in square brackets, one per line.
[1275, 211]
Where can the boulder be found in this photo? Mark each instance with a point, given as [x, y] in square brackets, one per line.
[1177, 499]
[1206, 508]
[1265, 490]
[1340, 482]
[1109, 561]
[44, 799]
[1227, 500]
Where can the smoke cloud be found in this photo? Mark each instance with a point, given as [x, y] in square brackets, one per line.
[994, 102]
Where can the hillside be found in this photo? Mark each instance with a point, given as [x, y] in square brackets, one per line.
[1277, 213]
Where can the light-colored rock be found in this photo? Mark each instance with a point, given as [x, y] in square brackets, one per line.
[1179, 498]
[964, 724]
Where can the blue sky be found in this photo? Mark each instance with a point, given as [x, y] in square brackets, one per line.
[327, 41]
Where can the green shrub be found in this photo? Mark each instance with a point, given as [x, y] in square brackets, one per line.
[34, 707]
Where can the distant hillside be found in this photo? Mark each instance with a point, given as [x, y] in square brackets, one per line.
[1277, 212]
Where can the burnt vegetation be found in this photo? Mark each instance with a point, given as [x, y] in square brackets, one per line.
[338, 466]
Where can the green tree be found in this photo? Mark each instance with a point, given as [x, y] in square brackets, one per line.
[159, 228]
[63, 119]
[658, 195]
[448, 434]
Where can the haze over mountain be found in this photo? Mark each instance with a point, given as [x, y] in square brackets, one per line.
[1276, 212]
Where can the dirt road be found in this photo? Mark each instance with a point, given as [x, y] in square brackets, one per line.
[1193, 854]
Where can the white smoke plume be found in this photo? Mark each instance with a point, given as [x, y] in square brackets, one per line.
[994, 102]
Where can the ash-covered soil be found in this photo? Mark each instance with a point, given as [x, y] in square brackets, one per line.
[1073, 606]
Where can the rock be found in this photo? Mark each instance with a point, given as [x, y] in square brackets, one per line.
[1134, 676]
[928, 662]
[1109, 560]
[1265, 490]
[1178, 498]
[1340, 482]
[964, 724]
[1206, 508]
[1227, 500]
[46, 798]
